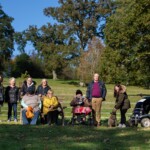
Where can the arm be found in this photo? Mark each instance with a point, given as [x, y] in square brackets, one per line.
[55, 102]
[120, 101]
[88, 92]
[104, 91]
[23, 104]
[73, 102]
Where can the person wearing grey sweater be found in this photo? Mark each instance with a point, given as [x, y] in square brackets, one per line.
[33, 101]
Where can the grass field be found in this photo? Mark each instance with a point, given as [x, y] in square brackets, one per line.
[18, 137]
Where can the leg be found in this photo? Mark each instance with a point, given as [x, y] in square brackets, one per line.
[35, 118]
[55, 116]
[94, 110]
[24, 118]
[123, 117]
[49, 117]
[15, 110]
[98, 110]
[9, 111]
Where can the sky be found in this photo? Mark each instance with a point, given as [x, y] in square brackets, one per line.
[27, 12]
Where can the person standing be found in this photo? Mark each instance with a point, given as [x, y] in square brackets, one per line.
[12, 96]
[96, 93]
[43, 88]
[122, 103]
[1, 92]
[27, 84]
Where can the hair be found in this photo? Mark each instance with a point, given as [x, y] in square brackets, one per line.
[43, 80]
[79, 92]
[12, 78]
[50, 90]
[121, 88]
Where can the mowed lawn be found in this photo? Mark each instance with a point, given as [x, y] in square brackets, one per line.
[18, 137]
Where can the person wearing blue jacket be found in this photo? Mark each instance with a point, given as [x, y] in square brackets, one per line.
[96, 93]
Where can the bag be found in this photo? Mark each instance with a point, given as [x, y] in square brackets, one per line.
[29, 113]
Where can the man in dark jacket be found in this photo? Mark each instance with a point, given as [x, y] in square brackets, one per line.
[96, 93]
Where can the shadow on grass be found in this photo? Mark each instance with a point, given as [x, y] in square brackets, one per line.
[68, 137]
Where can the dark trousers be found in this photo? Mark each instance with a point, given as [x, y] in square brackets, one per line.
[10, 107]
[52, 117]
[123, 116]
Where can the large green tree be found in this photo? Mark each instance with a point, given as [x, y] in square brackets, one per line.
[6, 39]
[54, 46]
[128, 33]
[83, 18]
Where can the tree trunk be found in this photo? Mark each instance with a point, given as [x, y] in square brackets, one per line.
[54, 75]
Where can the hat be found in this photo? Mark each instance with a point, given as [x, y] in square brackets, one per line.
[79, 92]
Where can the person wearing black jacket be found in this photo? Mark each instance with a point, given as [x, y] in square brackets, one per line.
[27, 84]
[43, 88]
[12, 96]
[42, 91]
[96, 93]
[1, 92]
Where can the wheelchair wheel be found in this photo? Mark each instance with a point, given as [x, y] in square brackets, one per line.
[145, 122]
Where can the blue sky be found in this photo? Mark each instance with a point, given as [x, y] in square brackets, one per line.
[27, 12]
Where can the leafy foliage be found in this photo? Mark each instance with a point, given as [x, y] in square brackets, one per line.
[6, 38]
[83, 18]
[127, 33]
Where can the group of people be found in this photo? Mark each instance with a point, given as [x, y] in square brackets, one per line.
[42, 102]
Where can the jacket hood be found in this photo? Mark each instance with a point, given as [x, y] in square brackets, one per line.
[123, 89]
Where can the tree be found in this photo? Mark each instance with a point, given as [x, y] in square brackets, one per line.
[54, 45]
[24, 63]
[90, 60]
[127, 33]
[83, 18]
[6, 38]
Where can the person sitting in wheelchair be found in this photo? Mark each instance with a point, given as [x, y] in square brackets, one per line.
[81, 107]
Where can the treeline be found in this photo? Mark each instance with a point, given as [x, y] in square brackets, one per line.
[105, 36]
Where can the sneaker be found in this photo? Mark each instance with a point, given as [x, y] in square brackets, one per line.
[15, 120]
[120, 125]
[123, 125]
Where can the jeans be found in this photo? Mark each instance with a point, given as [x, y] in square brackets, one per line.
[123, 117]
[10, 107]
[32, 121]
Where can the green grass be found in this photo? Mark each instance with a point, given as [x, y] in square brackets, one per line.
[18, 137]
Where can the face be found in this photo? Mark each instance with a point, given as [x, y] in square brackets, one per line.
[117, 89]
[12, 82]
[44, 82]
[49, 93]
[96, 77]
[29, 81]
